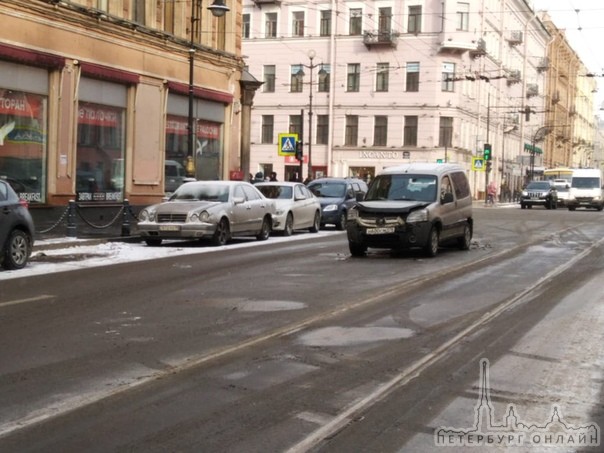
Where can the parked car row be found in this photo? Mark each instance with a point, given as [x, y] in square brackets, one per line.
[411, 206]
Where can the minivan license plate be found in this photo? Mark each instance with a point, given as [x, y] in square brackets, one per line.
[381, 230]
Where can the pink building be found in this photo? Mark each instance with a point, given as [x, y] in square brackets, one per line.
[369, 85]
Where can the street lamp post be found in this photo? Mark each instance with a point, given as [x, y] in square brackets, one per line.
[218, 9]
[311, 67]
[322, 73]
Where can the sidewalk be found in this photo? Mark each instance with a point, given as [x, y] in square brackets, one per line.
[55, 243]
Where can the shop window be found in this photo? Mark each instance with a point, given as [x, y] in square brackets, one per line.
[100, 153]
[23, 150]
[206, 146]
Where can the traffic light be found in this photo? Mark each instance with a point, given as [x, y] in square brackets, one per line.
[299, 152]
[488, 167]
[487, 152]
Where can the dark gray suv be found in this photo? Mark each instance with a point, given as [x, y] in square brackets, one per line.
[539, 193]
[337, 196]
[16, 229]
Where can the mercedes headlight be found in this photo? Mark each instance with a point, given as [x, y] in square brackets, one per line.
[147, 215]
[202, 216]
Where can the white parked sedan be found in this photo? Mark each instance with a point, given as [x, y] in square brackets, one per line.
[216, 210]
[296, 206]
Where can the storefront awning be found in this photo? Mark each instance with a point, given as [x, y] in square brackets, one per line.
[31, 57]
[106, 73]
[202, 93]
[530, 148]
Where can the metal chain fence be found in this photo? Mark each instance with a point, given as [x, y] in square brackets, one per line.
[73, 210]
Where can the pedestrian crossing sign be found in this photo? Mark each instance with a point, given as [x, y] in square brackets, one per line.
[287, 144]
[478, 164]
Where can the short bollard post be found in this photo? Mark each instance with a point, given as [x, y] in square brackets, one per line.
[71, 224]
[125, 221]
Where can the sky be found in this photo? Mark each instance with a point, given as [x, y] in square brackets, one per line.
[583, 22]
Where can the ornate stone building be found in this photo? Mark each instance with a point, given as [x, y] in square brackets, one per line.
[96, 95]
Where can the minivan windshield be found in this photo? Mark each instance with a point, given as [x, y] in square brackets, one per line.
[402, 187]
[585, 183]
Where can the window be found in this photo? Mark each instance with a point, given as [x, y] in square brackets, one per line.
[324, 78]
[410, 131]
[380, 131]
[356, 22]
[412, 82]
[295, 125]
[168, 17]
[354, 77]
[385, 21]
[445, 132]
[322, 129]
[415, 19]
[298, 23]
[268, 124]
[381, 80]
[463, 16]
[245, 25]
[448, 75]
[352, 130]
[325, 27]
[138, 13]
[296, 79]
[270, 25]
[269, 78]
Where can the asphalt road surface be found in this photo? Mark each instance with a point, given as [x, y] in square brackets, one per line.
[295, 346]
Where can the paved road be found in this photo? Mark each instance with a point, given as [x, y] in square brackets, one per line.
[294, 345]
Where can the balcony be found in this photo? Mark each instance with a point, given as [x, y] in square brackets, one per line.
[543, 65]
[385, 38]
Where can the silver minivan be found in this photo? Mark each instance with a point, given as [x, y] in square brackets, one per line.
[418, 205]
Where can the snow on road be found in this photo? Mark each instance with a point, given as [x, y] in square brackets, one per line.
[78, 254]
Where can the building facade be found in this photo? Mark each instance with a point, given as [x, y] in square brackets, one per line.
[569, 120]
[96, 95]
[369, 85]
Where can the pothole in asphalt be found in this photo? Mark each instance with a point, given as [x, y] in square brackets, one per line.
[270, 305]
[353, 336]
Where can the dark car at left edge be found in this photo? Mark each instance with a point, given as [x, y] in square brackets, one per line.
[16, 229]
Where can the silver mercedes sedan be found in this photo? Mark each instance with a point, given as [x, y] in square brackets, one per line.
[214, 210]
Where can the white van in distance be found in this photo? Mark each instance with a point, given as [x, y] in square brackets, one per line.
[586, 189]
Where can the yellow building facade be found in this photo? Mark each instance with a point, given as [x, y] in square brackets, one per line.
[96, 96]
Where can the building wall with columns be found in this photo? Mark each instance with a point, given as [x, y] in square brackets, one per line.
[94, 97]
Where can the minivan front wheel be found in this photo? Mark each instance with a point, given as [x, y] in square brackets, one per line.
[465, 241]
[431, 247]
